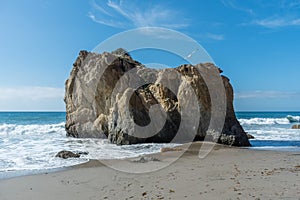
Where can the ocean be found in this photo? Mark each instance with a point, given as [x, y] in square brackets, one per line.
[272, 130]
[29, 141]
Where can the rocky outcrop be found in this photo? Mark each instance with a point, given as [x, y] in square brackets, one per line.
[296, 126]
[112, 96]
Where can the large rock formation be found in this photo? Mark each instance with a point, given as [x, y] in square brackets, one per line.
[110, 95]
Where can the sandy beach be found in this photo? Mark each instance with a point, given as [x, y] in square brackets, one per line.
[226, 173]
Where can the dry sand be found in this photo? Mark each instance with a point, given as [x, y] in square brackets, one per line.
[226, 173]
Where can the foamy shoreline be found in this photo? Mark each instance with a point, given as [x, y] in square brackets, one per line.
[31, 140]
[226, 173]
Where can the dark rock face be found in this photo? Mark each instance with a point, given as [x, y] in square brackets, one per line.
[105, 99]
[67, 154]
[250, 136]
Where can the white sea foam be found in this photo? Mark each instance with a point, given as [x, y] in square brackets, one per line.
[31, 130]
[279, 134]
[264, 121]
[33, 147]
[293, 118]
[271, 129]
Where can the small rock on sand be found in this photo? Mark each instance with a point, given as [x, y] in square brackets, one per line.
[67, 154]
[144, 159]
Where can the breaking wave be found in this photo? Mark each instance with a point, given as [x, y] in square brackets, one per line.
[31, 130]
[293, 119]
[33, 147]
[264, 121]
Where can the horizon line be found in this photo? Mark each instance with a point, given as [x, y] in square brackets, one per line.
[65, 111]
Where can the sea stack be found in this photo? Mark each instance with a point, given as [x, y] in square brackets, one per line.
[100, 102]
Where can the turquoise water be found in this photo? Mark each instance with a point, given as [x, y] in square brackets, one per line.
[265, 115]
[29, 141]
[29, 118]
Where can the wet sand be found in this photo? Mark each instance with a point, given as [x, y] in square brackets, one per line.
[226, 173]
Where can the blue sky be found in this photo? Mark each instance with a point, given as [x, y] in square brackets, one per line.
[255, 42]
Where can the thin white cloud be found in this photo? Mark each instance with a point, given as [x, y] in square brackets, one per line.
[99, 8]
[233, 4]
[266, 94]
[268, 13]
[30, 93]
[131, 14]
[215, 36]
[277, 22]
[107, 22]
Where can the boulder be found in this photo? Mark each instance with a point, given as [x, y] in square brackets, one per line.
[296, 126]
[250, 136]
[67, 154]
[112, 96]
